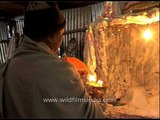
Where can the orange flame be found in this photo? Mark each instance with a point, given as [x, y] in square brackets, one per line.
[92, 78]
[100, 82]
[92, 81]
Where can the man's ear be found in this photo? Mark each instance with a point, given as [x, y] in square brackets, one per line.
[49, 41]
[50, 38]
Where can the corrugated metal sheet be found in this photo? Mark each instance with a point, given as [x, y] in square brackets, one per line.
[77, 20]
[3, 31]
[3, 51]
[20, 25]
[4, 35]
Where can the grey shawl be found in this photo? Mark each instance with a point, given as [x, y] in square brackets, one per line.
[40, 85]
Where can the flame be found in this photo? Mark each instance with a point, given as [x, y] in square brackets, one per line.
[92, 78]
[100, 82]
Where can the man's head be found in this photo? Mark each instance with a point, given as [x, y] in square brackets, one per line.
[44, 23]
[54, 40]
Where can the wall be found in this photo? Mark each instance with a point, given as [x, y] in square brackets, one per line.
[4, 36]
[127, 63]
[77, 21]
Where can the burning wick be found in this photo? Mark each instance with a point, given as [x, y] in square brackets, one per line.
[92, 78]
[93, 81]
[100, 82]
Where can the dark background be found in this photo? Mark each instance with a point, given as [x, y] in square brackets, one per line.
[16, 8]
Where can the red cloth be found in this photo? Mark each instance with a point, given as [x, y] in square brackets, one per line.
[79, 65]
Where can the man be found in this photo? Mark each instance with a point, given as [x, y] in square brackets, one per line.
[37, 83]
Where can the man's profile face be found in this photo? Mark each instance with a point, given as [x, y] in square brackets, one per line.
[62, 32]
[59, 40]
[61, 36]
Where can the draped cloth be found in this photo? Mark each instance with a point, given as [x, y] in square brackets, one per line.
[37, 75]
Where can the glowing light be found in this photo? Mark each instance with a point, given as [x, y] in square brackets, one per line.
[141, 19]
[100, 82]
[92, 78]
[92, 81]
[147, 34]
